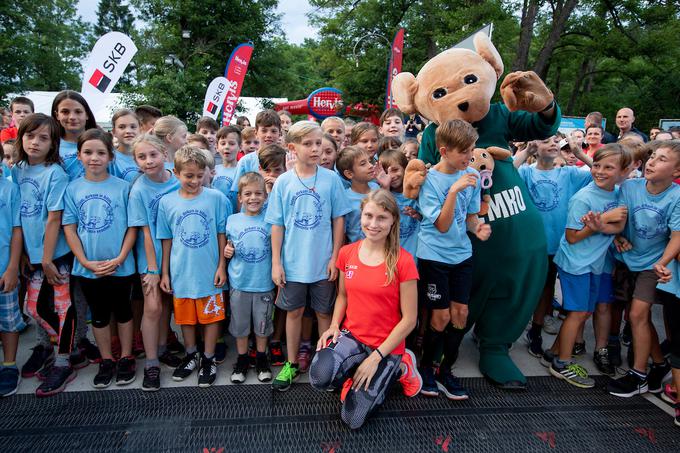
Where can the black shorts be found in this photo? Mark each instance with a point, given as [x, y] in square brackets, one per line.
[441, 283]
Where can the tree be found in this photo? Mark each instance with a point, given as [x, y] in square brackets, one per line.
[113, 15]
[42, 46]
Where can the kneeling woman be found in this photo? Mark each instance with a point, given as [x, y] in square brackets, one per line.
[377, 308]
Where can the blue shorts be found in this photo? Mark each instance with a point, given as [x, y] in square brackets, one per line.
[579, 292]
[10, 314]
[606, 293]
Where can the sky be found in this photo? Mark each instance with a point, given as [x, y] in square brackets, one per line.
[293, 20]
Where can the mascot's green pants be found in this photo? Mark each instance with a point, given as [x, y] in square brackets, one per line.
[510, 268]
[509, 274]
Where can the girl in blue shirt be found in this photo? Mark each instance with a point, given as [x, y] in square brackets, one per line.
[96, 228]
[125, 131]
[145, 194]
[42, 183]
[74, 116]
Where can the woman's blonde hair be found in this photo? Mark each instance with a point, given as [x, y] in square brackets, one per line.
[149, 139]
[385, 200]
[298, 130]
[167, 125]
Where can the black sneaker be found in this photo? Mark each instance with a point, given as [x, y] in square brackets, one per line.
[579, 349]
[173, 343]
[614, 350]
[238, 376]
[152, 379]
[56, 381]
[547, 358]
[535, 344]
[220, 351]
[626, 335]
[78, 359]
[169, 359]
[276, 353]
[629, 385]
[104, 377]
[90, 351]
[207, 373]
[657, 374]
[264, 373]
[40, 358]
[430, 387]
[601, 359]
[187, 366]
[451, 387]
[127, 370]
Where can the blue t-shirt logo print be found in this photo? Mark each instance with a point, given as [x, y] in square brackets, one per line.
[194, 228]
[546, 194]
[648, 221]
[28, 209]
[253, 245]
[308, 209]
[95, 213]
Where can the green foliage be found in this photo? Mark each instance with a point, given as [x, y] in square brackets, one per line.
[42, 45]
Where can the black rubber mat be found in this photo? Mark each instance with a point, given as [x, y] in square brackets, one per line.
[551, 416]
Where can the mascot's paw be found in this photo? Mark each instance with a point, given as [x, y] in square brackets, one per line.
[525, 91]
[497, 366]
[414, 177]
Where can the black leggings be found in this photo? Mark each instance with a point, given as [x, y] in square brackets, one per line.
[333, 365]
[672, 305]
[106, 296]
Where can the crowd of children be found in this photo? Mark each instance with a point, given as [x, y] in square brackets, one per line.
[242, 230]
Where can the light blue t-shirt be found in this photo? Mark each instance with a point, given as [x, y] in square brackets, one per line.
[408, 226]
[42, 190]
[551, 191]
[250, 268]
[353, 218]
[590, 254]
[193, 225]
[100, 211]
[224, 180]
[306, 216]
[249, 162]
[6, 171]
[454, 246]
[142, 211]
[10, 203]
[651, 218]
[68, 151]
[124, 167]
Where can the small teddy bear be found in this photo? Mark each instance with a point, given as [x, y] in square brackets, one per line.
[482, 160]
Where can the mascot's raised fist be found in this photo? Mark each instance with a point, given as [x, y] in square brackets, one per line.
[524, 90]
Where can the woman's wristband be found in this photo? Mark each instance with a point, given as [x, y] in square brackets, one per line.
[156, 272]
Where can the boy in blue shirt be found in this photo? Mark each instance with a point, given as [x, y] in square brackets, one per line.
[582, 253]
[228, 143]
[11, 321]
[306, 209]
[251, 292]
[191, 225]
[268, 132]
[449, 200]
[653, 204]
[551, 187]
[355, 166]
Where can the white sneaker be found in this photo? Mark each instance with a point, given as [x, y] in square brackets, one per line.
[551, 325]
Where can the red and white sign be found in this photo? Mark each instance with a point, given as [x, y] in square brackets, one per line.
[215, 96]
[235, 73]
[320, 104]
[110, 56]
[394, 67]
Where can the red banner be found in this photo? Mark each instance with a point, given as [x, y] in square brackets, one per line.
[395, 66]
[235, 72]
[321, 104]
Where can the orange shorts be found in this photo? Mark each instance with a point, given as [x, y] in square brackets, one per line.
[205, 310]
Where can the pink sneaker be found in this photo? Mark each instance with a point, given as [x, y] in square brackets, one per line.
[410, 380]
[669, 395]
[304, 357]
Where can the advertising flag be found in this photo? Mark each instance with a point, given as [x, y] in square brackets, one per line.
[107, 62]
[214, 97]
[394, 67]
[235, 73]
